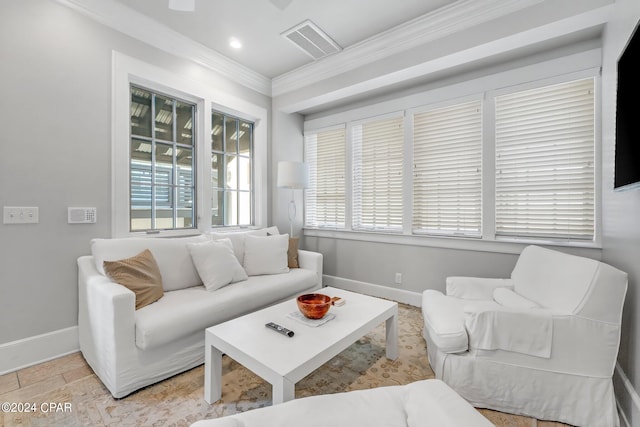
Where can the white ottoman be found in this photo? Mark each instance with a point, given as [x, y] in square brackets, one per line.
[427, 402]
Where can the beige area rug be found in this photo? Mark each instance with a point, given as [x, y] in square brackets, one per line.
[179, 401]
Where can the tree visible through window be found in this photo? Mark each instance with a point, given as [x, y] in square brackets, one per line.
[162, 162]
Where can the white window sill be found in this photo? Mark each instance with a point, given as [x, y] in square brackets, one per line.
[507, 246]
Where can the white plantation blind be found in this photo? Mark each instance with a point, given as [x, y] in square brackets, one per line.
[447, 177]
[325, 197]
[545, 162]
[377, 174]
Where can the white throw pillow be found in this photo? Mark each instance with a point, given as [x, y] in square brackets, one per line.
[237, 238]
[266, 255]
[216, 263]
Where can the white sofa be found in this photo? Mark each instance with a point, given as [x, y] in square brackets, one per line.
[542, 343]
[129, 349]
[422, 403]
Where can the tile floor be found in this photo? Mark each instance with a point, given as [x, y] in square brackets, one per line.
[25, 384]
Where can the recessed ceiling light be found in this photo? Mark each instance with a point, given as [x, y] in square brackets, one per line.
[235, 43]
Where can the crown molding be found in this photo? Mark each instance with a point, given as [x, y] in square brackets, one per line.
[458, 16]
[139, 26]
[592, 19]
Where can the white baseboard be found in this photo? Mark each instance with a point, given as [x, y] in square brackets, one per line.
[632, 399]
[40, 348]
[399, 295]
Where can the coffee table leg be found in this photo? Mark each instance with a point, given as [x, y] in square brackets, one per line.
[392, 336]
[283, 391]
[212, 374]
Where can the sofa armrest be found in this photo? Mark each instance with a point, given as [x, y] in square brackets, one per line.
[106, 317]
[311, 261]
[475, 288]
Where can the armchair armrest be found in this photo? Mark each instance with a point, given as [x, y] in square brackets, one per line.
[579, 346]
[311, 261]
[475, 288]
[494, 327]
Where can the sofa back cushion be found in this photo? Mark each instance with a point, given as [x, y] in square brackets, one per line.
[553, 279]
[266, 254]
[171, 254]
[216, 263]
[237, 238]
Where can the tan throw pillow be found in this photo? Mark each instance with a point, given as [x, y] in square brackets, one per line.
[292, 253]
[139, 274]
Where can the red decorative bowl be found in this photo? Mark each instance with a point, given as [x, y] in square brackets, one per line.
[314, 306]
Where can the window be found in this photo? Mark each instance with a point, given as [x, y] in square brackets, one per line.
[325, 155]
[545, 162]
[447, 163]
[511, 165]
[161, 177]
[162, 162]
[231, 171]
[377, 174]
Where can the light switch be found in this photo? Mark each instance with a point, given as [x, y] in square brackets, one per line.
[20, 215]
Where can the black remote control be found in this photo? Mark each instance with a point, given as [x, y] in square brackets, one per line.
[278, 328]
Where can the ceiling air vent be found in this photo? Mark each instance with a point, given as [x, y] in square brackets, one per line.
[312, 40]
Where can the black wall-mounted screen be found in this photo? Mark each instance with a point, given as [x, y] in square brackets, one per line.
[627, 159]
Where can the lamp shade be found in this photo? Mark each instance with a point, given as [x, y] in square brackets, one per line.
[292, 175]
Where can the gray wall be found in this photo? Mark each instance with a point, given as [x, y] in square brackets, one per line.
[421, 267]
[621, 210]
[287, 145]
[55, 116]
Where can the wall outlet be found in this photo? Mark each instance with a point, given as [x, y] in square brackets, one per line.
[398, 278]
[20, 215]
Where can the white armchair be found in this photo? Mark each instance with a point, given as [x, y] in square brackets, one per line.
[543, 343]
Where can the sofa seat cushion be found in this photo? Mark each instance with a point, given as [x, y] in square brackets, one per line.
[186, 311]
[444, 321]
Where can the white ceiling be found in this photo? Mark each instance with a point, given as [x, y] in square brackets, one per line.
[259, 23]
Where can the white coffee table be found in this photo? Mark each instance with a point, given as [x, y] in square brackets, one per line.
[282, 360]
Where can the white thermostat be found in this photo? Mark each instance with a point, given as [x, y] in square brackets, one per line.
[81, 215]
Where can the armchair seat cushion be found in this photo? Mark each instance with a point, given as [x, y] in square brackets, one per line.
[444, 321]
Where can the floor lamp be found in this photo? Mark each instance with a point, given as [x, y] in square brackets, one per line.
[292, 175]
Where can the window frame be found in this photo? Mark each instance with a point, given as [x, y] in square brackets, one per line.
[583, 65]
[346, 208]
[172, 188]
[356, 184]
[207, 96]
[430, 108]
[555, 234]
[225, 153]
